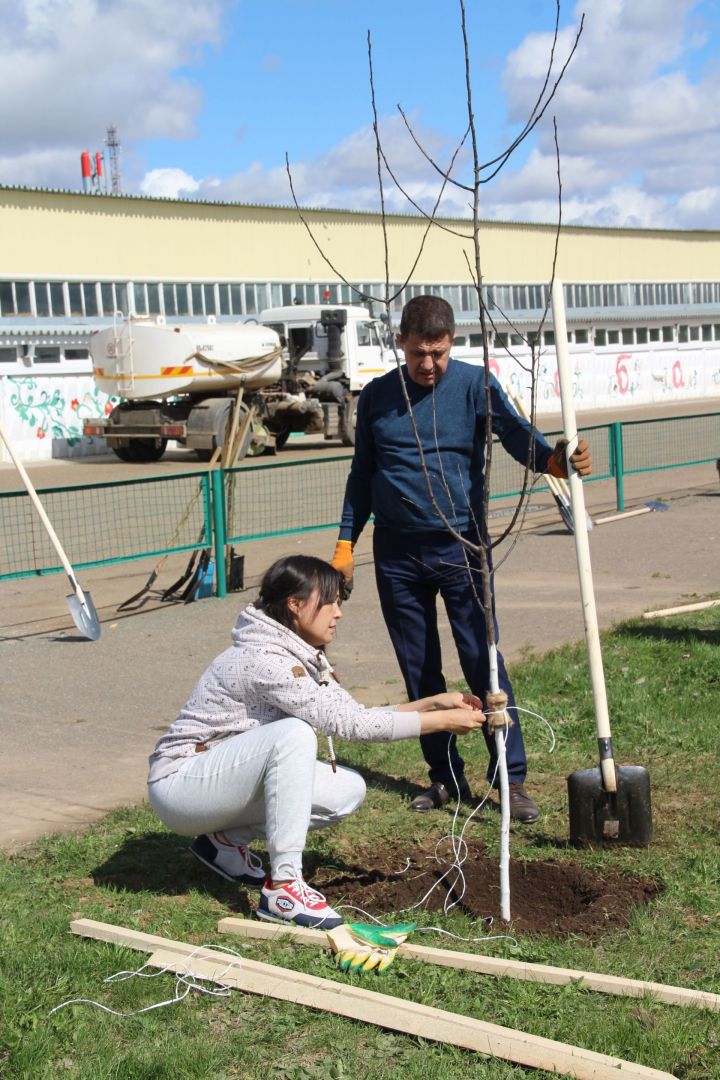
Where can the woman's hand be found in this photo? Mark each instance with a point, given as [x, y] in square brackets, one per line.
[454, 699]
[450, 699]
[457, 720]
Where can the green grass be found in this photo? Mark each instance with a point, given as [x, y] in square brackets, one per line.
[663, 682]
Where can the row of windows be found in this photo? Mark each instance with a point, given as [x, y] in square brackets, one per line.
[602, 338]
[75, 299]
[367, 335]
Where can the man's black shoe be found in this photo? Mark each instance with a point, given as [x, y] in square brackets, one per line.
[522, 807]
[438, 794]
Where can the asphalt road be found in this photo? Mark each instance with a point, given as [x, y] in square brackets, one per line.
[80, 718]
[100, 469]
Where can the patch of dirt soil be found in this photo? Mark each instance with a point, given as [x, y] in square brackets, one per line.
[554, 898]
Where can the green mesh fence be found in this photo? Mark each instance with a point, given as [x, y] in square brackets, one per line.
[506, 477]
[99, 524]
[671, 443]
[271, 500]
[133, 519]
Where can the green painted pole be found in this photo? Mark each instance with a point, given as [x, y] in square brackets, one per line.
[219, 533]
[616, 450]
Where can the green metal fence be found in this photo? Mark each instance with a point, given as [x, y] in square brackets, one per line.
[99, 524]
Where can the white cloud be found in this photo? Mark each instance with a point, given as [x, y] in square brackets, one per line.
[169, 184]
[346, 175]
[638, 117]
[639, 130]
[72, 67]
[638, 120]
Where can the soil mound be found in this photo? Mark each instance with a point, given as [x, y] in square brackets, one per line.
[555, 898]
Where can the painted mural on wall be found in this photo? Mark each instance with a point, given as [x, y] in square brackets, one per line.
[44, 414]
[612, 380]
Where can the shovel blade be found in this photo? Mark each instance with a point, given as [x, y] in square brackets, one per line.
[600, 817]
[84, 616]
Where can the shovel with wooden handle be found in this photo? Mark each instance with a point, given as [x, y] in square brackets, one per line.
[557, 490]
[610, 803]
[80, 603]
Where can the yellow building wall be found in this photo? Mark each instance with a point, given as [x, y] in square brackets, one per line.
[71, 235]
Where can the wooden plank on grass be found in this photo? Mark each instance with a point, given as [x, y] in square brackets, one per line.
[490, 965]
[664, 612]
[354, 1002]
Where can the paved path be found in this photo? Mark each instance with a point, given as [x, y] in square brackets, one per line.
[80, 718]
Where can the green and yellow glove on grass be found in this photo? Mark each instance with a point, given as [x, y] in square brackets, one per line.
[361, 947]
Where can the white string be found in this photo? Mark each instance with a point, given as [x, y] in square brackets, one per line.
[460, 848]
[185, 978]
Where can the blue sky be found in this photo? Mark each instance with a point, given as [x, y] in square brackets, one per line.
[207, 99]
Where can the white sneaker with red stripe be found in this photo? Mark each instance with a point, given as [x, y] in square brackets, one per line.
[295, 902]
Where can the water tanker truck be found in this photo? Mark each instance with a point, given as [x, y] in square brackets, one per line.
[300, 369]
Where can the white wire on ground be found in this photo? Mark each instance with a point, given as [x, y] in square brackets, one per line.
[183, 979]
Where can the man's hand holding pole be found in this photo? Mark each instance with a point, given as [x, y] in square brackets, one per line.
[579, 459]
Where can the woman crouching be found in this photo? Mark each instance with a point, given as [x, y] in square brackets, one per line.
[240, 762]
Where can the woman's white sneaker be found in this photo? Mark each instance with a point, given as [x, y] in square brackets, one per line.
[232, 862]
[295, 902]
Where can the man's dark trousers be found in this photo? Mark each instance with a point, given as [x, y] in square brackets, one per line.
[410, 570]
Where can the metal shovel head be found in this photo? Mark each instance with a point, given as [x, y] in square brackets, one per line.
[85, 616]
[598, 816]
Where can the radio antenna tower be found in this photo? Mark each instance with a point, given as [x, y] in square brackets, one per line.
[113, 144]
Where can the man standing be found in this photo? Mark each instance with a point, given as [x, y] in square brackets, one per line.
[415, 556]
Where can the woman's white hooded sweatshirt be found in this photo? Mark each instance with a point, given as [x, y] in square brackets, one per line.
[269, 673]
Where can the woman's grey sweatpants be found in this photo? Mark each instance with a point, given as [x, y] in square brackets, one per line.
[265, 783]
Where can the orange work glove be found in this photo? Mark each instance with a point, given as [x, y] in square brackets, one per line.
[579, 459]
[343, 561]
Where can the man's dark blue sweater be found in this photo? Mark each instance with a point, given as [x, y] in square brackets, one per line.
[386, 478]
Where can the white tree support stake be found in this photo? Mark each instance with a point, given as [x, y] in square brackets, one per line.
[582, 546]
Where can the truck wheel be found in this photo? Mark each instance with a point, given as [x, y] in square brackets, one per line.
[143, 451]
[348, 424]
[121, 452]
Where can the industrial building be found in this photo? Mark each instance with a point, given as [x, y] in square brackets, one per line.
[72, 262]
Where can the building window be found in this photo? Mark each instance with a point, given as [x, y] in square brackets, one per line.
[548, 337]
[139, 298]
[153, 298]
[8, 356]
[641, 335]
[667, 333]
[600, 338]
[210, 301]
[707, 332]
[22, 298]
[628, 335]
[107, 296]
[581, 337]
[57, 298]
[654, 333]
[76, 354]
[75, 298]
[89, 292]
[7, 300]
[613, 337]
[42, 301]
[47, 354]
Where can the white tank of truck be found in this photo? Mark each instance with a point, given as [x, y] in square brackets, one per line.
[300, 369]
[146, 358]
